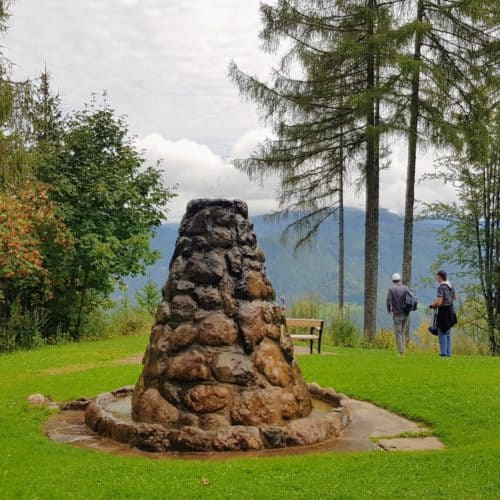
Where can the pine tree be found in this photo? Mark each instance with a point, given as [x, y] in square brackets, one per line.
[46, 117]
[13, 97]
[471, 240]
[329, 118]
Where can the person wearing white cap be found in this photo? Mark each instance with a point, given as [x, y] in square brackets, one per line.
[395, 306]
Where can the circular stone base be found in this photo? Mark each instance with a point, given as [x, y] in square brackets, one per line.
[107, 415]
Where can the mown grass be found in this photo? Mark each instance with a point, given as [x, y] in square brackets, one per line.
[459, 397]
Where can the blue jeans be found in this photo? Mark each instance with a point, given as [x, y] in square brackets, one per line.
[445, 342]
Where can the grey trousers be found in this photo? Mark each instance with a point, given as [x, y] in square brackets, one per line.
[400, 323]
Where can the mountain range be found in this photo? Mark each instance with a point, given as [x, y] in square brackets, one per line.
[314, 269]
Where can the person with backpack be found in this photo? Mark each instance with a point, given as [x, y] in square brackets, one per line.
[400, 302]
[446, 317]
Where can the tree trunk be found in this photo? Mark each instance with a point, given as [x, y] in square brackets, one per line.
[341, 237]
[492, 336]
[371, 242]
[495, 332]
[412, 163]
[81, 307]
[412, 155]
[372, 200]
[341, 220]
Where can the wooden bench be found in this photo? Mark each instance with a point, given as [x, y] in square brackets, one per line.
[315, 330]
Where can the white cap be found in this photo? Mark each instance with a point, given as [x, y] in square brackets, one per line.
[396, 277]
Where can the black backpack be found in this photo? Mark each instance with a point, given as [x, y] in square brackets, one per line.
[410, 301]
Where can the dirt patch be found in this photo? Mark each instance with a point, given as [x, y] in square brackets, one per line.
[81, 367]
[301, 349]
[134, 359]
[60, 370]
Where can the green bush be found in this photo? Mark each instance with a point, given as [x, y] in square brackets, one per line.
[343, 332]
[340, 329]
[463, 341]
[22, 329]
[7, 336]
[384, 339]
[148, 297]
[122, 319]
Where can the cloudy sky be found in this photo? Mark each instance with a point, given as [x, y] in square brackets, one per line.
[164, 65]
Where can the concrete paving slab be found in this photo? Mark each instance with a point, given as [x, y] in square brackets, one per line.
[411, 444]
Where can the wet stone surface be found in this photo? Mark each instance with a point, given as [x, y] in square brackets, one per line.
[368, 423]
[219, 370]
[218, 324]
[256, 420]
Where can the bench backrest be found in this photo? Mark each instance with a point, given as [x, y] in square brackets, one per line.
[304, 323]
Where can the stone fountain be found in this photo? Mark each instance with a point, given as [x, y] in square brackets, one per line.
[219, 371]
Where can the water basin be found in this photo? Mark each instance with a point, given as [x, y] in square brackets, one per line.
[121, 408]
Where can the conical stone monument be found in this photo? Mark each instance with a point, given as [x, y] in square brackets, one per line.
[219, 371]
[219, 354]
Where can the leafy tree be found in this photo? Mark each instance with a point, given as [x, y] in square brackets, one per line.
[34, 245]
[471, 239]
[111, 202]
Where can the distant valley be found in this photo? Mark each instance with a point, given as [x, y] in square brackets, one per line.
[315, 269]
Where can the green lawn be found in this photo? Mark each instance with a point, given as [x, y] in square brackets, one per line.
[459, 397]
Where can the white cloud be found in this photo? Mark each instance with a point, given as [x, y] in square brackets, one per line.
[129, 3]
[164, 65]
[200, 173]
[393, 180]
[247, 143]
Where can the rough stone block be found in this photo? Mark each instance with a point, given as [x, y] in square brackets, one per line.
[307, 431]
[232, 366]
[192, 438]
[237, 438]
[153, 408]
[256, 407]
[205, 268]
[122, 432]
[208, 297]
[183, 308]
[150, 437]
[216, 330]
[184, 335]
[191, 364]
[163, 313]
[206, 398]
[274, 436]
[212, 421]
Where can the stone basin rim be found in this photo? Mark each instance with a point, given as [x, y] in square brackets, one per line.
[154, 437]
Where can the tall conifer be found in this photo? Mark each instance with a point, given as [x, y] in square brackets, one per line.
[329, 117]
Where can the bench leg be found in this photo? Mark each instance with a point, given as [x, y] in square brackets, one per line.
[319, 346]
[311, 346]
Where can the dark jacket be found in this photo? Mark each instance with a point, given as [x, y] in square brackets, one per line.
[446, 316]
[395, 299]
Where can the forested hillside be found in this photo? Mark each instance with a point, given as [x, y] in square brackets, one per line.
[314, 269]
